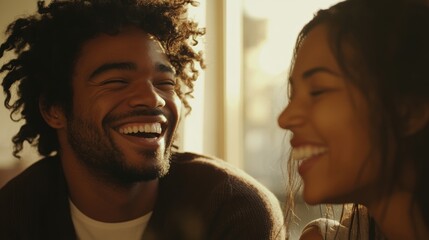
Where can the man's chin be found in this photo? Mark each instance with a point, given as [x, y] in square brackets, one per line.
[127, 176]
[155, 166]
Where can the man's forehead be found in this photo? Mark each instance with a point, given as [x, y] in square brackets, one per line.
[157, 48]
[156, 43]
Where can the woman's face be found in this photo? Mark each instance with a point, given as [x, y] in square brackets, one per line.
[328, 117]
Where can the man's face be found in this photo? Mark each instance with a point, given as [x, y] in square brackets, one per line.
[125, 108]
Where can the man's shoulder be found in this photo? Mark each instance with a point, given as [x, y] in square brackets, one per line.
[40, 173]
[226, 195]
[211, 173]
[195, 160]
[36, 199]
[204, 162]
[206, 167]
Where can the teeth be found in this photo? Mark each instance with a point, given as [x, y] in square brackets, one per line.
[305, 152]
[153, 128]
[142, 128]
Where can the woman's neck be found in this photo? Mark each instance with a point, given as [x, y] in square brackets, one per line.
[398, 217]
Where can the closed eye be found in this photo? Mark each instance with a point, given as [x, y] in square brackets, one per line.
[322, 91]
[166, 84]
[114, 81]
[169, 82]
[317, 92]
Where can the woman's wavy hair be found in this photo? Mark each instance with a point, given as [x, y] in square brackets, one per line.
[389, 63]
[47, 43]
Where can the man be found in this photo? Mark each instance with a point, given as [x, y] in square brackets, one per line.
[100, 85]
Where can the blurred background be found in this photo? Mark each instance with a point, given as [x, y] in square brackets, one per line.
[248, 48]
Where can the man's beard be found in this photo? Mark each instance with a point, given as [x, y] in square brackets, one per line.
[100, 154]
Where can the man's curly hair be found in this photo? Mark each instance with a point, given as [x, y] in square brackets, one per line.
[47, 43]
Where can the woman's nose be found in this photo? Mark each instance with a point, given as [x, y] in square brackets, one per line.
[291, 116]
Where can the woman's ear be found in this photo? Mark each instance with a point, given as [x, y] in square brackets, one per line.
[52, 114]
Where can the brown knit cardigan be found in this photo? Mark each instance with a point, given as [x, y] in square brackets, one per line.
[201, 198]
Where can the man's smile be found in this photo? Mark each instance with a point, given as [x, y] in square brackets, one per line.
[144, 131]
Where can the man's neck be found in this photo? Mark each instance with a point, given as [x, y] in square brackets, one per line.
[104, 201]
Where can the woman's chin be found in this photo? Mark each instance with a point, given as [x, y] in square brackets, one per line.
[315, 197]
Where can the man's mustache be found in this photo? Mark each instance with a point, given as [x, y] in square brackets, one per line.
[134, 113]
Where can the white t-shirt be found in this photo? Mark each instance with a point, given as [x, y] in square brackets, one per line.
[89, 229]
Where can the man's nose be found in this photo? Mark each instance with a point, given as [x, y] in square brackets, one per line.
[145, 94]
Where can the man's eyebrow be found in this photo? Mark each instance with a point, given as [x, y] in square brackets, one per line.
[312, 71]
[112, 66]
[164, 68]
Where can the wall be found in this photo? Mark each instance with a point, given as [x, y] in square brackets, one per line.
[10, 10]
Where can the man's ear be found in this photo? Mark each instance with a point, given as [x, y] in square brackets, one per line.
[52, 114]
[417, 119]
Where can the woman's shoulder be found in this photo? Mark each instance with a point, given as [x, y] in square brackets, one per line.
[324, 229]
[311, 233]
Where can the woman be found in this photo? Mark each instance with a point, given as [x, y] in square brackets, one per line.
[359, 118]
